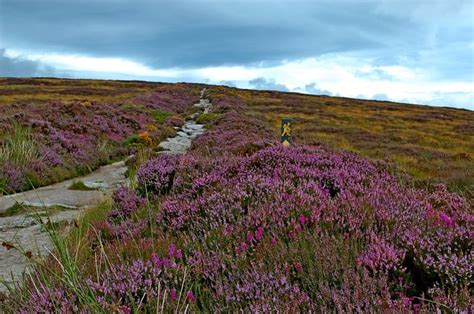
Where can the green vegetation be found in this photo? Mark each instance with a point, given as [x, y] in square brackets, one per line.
[206, 118]
[41, 90]
[13, 210]
[431, 144]
[160, 116]
[131, 141]
[20, 208]
[18, 146]
[80, 186]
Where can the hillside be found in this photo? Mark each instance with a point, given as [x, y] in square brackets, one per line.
[369, 210]
[431, 144]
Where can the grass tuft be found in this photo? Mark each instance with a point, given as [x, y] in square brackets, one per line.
[19, 147]
[80, 186]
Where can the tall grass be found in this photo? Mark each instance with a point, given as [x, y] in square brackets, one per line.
[68, 266]
[19, 147]
[64, 268]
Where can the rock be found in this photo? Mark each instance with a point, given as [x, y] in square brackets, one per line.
[98, 185]
[26, 234]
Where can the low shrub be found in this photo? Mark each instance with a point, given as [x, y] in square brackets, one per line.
[206, 118]
[160, 116]
[157, 175]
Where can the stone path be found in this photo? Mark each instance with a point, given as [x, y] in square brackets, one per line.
[27, 232]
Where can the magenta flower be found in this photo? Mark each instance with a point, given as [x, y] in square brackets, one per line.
[302, 220]
[447, 220]
[259, 234]
[173, 294]
[190, 296]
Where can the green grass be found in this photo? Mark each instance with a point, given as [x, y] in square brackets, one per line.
[18, 147]
[19, 208]
[80, 186]
[160, 116]
[206, 118]
[13, 210]
[132, 140]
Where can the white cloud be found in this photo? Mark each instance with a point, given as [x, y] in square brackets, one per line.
[339, 74]
[80, 63]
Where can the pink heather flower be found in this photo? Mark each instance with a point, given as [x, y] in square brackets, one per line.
[154, 258]
[274, 241]
[124, 309]
[298, 267]
[259, 234]
[190, 296]
[160, 262]
[227, 230]
[448, 221]
[302, 220]
[173, 294]
[243, 246]
[179, 254]
[172, 250]
[406, 301]
[249, 237]
[297, 228]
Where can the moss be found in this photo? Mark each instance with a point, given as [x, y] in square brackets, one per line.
[80, 186]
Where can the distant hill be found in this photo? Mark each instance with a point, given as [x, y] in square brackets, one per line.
[431, 144]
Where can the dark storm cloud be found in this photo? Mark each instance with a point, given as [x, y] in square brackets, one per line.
[199, 33]
[20, 67]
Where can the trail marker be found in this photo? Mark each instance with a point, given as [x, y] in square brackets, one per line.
[286, 129]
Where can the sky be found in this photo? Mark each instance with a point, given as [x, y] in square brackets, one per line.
[398, 50]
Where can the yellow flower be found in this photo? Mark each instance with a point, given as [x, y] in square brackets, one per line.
[145, 138]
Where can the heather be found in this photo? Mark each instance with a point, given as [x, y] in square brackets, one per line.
[43, 143]
[431, 144]
[242, 223]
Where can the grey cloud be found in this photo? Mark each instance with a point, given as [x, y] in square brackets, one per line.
[315, 90]
[20, 67]
[264, 84]
[198, 33]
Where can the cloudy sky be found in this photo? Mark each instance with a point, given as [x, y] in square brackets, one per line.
[401, 50]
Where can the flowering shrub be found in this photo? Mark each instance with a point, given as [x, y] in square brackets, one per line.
[75, 137]
[140, 282]
[413, 240]
[176, 99]
[174, 121]
[12, 178]
[157, 175]
[126, 201]
[262, 228]
[50, 300]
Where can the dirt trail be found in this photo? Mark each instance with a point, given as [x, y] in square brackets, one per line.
[27, 232]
